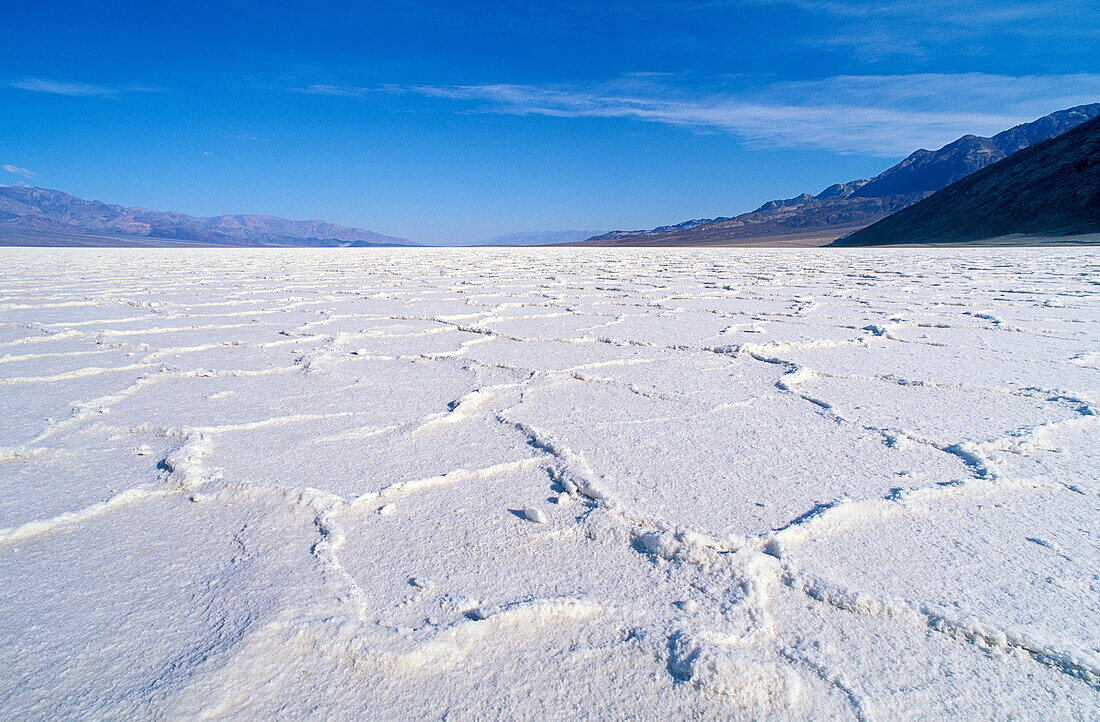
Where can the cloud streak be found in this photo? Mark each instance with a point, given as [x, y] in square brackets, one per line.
[16, 170]
[875, 30]
[75, 89]
[882, 115]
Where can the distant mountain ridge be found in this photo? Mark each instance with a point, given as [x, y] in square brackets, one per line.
[538, 238]
[844, 207]
[1050, 188]
[41, 211]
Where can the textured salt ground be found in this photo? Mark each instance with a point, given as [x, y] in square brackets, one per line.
[106, 464]
[473, 484]
[944, 414]
[34, 408]
[811, 458]
[114, 616]
[1044, 537]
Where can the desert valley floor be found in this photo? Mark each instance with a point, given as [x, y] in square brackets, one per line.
[550, 483]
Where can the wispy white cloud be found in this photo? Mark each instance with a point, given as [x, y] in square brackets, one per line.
[884, 28]
[1020, 96]
[883, 115]
[335, 90]
[75, 89]
[16, 170]
[957, 12]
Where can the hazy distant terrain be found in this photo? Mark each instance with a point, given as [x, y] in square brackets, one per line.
[538, 238]
[841, 208]
[1051, 188]
[553, 483]
[40, 216]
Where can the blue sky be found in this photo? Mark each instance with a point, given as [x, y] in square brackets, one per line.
[454, 122]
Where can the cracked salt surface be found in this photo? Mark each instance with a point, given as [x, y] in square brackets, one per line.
[550, 483]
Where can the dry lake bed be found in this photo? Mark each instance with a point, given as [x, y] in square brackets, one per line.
[550, 483]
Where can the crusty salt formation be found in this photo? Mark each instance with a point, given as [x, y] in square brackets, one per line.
[549, 483]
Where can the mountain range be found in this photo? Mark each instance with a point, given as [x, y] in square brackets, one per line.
[1050, 188]
[845, 207]
[41, 216]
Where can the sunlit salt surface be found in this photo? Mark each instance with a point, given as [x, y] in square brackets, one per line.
[550, 483]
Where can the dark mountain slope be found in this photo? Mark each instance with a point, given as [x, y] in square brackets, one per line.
[845, 206]
[1051, 188]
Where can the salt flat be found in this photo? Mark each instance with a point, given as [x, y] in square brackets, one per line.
[550, 483]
